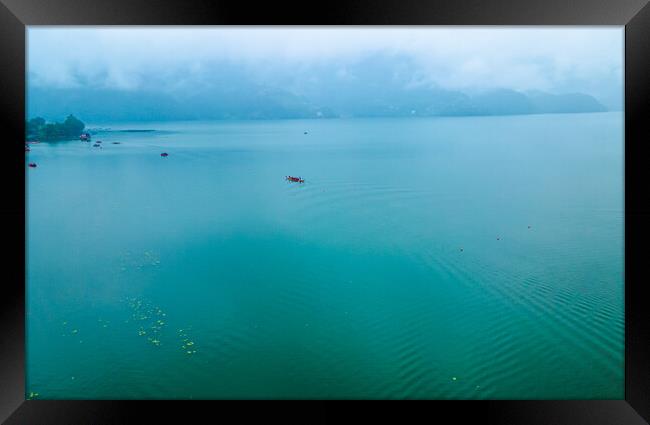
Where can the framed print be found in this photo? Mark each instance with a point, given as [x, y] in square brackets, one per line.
[371, 201]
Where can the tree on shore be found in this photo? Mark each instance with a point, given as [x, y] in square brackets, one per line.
[38, 128]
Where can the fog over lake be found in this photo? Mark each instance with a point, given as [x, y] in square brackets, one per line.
[125, 74]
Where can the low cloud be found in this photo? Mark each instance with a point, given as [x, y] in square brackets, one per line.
[554, 59]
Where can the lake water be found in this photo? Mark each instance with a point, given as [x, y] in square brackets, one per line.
[442, 258]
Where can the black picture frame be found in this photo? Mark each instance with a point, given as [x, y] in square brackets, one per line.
[15, 15]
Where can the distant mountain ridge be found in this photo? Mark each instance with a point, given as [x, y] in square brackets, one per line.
[105, 105]
[380, 85]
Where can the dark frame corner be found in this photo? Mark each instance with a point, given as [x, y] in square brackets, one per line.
[15, 15]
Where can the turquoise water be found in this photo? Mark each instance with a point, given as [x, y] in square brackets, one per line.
[404, 266]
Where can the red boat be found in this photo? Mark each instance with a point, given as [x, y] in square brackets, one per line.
[32, 164]
[295, 179]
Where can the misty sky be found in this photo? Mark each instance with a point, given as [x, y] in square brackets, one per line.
[552, 59]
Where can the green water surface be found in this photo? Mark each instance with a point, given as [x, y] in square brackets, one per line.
[441, 258]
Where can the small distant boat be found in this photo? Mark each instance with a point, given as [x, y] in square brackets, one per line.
[164, 154]
[27, 149]
[295, 179]
[305, 132]
[96, 145]
[32, 164]
[84, 137]
[116, 143]
[33, 142]
[99, 141]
